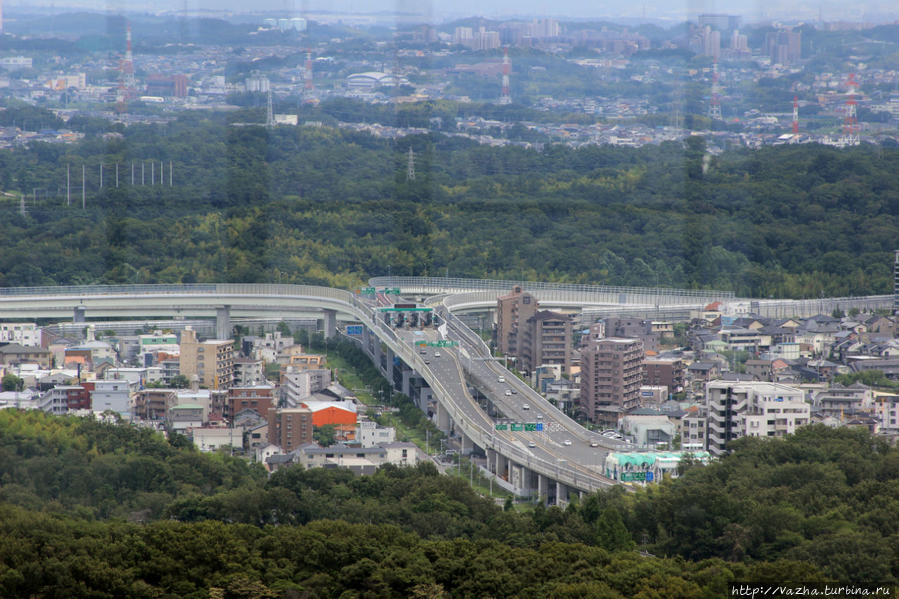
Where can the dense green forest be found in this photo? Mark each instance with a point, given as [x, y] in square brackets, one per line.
[99, 510]
[329, 206]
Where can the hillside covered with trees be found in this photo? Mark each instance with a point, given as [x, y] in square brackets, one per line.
[330, 206]
[98, 510]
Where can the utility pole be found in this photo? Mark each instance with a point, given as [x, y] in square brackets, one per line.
[410, 169]
[83, 200]
[68, 185]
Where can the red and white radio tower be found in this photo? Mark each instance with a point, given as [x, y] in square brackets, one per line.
[850, 125]
[715, 103]
[506, 97]
[307, 74]
[126, 74]
[795, 115]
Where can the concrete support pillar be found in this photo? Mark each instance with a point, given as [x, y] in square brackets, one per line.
[443, 418]
[561, 493]
[467, 444]
[491, 460]
[223, 322]
[542, 487]
[78, 316]
[329, 324]
[502, 466]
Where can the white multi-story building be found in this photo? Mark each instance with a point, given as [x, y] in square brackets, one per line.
[298, 385]
[23, 333]
[752, 409]
[112, 395]
[369, 434]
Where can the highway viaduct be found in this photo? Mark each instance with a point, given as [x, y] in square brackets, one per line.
[554, 470]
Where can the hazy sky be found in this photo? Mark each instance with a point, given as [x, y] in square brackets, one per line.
[677, 10]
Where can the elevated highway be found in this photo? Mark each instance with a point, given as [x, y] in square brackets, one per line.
[562, 460]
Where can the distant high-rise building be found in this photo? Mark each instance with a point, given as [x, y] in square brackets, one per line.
[463, 36]
[720, 22]
[783, 47]
[739, 42]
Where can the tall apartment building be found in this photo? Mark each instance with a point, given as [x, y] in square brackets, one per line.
[896, 283]
[535, 337]
[289, 428]
[752, 409]
[667, 373]
[611, 375]
[512, 313]
[547, 340]
[211, 361]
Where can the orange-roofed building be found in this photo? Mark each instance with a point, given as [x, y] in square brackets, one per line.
[339, 414]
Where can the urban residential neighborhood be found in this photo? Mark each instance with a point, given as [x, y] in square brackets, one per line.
[380, 300]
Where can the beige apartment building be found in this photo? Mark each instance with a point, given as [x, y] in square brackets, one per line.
[611, 376]
[512, 313]
[212, 361]
[546, 341]
[535, 337]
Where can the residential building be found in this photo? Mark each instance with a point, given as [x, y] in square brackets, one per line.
[547, 340]
[260, 398]
[16, 353]
[24, 333]
[842, 401]
[214, 438]
[297, 385]
[153, 404]
[212, 361]
[64, 399]
[369, 434]
[290, 428]
[512, 313]
[635, 328]
[752, 408]
[611, 376]
[664, 372]
[248, 371]
[693, 428]
[112, 395]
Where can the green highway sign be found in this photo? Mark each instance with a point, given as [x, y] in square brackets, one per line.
[368, 291]
[406, 309]
[516, 426]
[502, 427]
[530, 426]
[390, 291]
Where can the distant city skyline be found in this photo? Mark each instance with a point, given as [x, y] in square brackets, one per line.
[436, 11]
